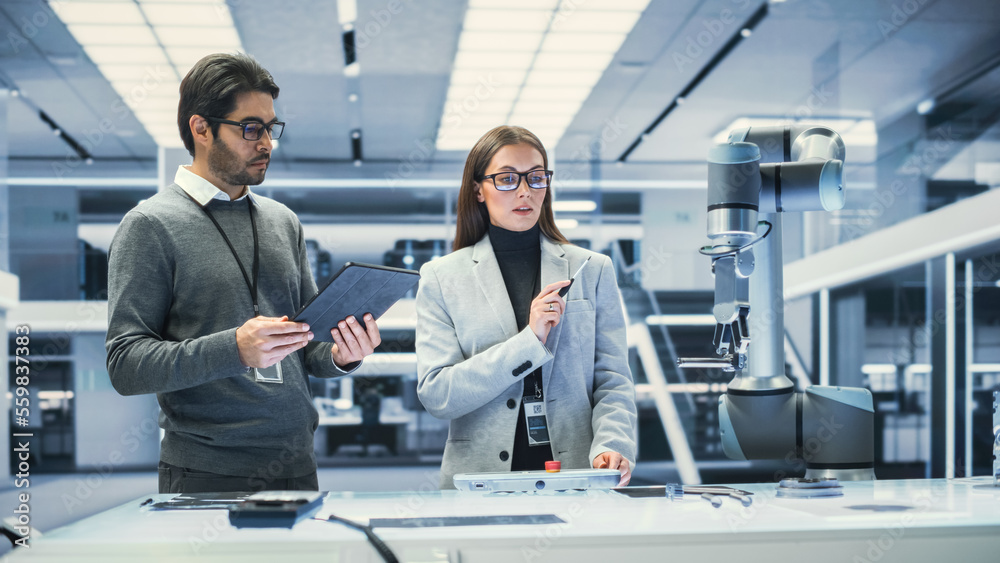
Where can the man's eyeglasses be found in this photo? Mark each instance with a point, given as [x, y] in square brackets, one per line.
[508, 181]
[254, 130]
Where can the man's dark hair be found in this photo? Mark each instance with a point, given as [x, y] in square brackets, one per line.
[212, 86]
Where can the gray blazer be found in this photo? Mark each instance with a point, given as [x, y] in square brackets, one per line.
[471, 360]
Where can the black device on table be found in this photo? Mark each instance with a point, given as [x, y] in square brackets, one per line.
[275, 509]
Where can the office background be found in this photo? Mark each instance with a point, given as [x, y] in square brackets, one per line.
[899, 292]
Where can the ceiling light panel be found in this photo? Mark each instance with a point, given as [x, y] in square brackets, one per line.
[475, 77]
[499, 20]
[98, 13]
[493, 60]
[513, 41]
[131, 35]
[542, 56]
[209, 37]
[574, 205]
[563, 78]
[595, 22]
[103, 55]
[188, 15]
[558, 41]
[144, 47]
[547, 5]
[572, 61]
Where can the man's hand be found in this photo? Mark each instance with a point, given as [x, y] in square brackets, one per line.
[352, 343]
[614, 460]
[265, 341]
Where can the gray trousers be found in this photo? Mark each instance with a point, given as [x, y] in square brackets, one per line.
[175, 479]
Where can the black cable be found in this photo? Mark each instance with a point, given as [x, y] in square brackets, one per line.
[728, 249]
[387, 555]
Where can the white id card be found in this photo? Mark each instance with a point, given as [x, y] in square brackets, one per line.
[268, 375]
[534, 421]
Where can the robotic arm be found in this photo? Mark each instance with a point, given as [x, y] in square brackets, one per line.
[761, 417]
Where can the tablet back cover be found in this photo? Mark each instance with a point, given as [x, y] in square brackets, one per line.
[357, 289]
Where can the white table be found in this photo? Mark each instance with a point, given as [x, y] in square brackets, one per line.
[949, 521]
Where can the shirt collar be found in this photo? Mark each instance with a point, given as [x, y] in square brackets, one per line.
[203, 191]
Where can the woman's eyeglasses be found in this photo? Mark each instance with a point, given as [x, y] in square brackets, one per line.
[508, 181]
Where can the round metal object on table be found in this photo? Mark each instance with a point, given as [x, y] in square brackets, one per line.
[809, 488]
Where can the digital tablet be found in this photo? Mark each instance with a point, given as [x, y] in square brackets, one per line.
[356, 290]
[528, 481]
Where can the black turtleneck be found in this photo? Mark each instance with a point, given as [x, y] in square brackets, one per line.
[519, 255]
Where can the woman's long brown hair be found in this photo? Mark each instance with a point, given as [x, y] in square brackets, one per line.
[472, 218]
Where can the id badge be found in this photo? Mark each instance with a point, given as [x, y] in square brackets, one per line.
[534, 421]
[268, 375]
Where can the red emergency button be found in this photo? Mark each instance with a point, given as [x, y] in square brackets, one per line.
[553, 466]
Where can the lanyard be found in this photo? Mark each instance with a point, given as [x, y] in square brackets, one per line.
[536, 380]
[256, 253]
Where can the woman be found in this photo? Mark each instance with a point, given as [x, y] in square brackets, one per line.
[494, 336]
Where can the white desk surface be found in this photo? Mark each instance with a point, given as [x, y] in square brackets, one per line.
[909, 520]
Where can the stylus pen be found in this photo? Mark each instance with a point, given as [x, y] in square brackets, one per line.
[565, 290]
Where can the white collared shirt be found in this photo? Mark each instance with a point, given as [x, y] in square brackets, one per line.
[203, 191]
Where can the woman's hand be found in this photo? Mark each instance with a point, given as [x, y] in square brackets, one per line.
[546, 310]
[614, 460]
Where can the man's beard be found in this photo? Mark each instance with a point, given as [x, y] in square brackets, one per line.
[225, 164]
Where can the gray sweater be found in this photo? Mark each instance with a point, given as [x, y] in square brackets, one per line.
[175, 299]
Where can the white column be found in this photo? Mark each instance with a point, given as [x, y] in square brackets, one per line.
[168, 159]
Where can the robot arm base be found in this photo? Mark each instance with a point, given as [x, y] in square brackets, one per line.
[826, 431]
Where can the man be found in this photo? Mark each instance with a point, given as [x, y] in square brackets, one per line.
[202, 278]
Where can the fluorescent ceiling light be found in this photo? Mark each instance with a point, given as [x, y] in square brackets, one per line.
[681, 320]
[469, 95]
[574, 205]
[545, 107]
[98, 13]
[573, 7]
[585, 78]
[514, 42]
[567, 224]
[583, 42]
[595, 22]
[494, 20]
[543, 57]
[143, 47]
[188, 15]
[184, 58]
[532, 93]
[493, 60]
[854, 131]
[131, 72]
[218, 37]
[532, 121]
[132, 35]
[872, 369]
[548, 60]
[475, 77]
[515, 4]
[103, 55]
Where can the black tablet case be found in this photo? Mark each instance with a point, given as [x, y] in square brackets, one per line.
[357, 289]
